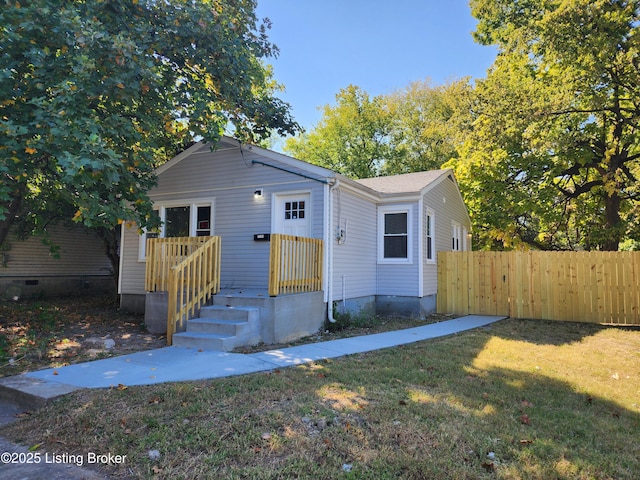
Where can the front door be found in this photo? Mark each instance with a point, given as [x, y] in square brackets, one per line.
[292, 214]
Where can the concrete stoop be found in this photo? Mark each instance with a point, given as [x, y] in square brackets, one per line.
[221, 327]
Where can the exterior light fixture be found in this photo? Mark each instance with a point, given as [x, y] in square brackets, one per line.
[257, 193]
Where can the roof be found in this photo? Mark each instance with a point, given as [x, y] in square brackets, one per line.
[404, 183]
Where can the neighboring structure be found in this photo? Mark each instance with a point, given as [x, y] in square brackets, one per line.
[29, 269]
[381, 235]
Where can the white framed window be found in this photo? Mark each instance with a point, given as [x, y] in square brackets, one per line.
[429, 236]
[395, 234]
[456, 237]
[190, 218]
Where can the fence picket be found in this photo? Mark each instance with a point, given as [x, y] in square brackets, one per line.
[597, 287]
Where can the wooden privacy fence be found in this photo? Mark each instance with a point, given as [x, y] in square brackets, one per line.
[295, 264]
[595, 287]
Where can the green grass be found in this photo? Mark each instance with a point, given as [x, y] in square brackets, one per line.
[543, 399]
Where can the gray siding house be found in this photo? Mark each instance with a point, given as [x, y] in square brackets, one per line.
[380, 235]
[29, 269]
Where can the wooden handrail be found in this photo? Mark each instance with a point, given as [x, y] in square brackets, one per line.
[191, 283]
[295, 264]
[162, 254]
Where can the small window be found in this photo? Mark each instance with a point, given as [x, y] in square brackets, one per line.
[394, 224]
[456, 237]
[294, 210]
[429, 249]
[203, 221]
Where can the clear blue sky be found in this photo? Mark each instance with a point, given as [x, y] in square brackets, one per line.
[378, 45]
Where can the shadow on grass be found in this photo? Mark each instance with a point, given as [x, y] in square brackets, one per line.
[484, 412]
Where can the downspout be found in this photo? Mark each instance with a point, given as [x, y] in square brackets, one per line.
[330, 241]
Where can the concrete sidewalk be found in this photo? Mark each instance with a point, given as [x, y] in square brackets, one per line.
[175, 364]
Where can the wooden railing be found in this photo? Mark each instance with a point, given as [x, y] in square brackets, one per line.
[295, 264]
[188, 269]
[165, 253]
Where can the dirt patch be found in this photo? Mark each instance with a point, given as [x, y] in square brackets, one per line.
[38, 334]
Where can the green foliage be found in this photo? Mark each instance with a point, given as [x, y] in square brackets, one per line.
[414, 129]
[94, 95]
[553, 159]
[351, 138]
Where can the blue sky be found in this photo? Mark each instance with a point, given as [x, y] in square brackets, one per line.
[380, 46]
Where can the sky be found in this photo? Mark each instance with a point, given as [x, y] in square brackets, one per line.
[378, 45]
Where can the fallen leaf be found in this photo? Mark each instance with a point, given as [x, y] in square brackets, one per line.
[525, 441]
[35, 447]
[525, 419]
[156, 470]
[489, 466]
[155, 400]
[55, 372]
[121, 387]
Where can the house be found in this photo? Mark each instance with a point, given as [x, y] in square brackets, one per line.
[29, 269]
[378, 239]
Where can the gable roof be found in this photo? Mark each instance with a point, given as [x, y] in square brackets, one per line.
[404, 183]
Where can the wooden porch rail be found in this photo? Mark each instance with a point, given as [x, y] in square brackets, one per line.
[165, 253]
[191, 283]
[295, 264]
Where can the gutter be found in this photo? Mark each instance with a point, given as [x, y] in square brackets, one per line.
[330, 240]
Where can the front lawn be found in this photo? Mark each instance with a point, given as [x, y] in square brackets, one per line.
[517, 400]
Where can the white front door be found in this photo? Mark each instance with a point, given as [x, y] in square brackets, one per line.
[292, 214]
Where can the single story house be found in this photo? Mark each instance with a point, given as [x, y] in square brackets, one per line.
[29, 269]
[379, 236]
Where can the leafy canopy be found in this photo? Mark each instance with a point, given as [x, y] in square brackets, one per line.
[413, 129]
[94, 94]
[553, 159]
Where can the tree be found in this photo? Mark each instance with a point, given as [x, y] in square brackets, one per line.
[554, 158]
[428, 124]
[94, 94]
[414, 129]
[351, 138]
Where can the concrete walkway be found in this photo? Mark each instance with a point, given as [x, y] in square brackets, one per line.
[175, 364]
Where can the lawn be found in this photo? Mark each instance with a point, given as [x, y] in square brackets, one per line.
[517, 400]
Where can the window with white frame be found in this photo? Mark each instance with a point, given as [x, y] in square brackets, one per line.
[181, 219]
[429, 232]
[395, 233]
[456, 237]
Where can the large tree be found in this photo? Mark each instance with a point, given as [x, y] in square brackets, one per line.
[417, 128]
[554, 159]
[351, 137]
[94, 94]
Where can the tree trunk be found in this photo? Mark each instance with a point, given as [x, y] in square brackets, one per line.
[612, 222]
[110, 240]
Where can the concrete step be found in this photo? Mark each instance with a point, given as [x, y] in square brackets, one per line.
[205, 341]
[216, 326]
[224, 312]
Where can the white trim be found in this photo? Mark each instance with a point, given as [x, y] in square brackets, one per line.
[162, 206]
[420, 247]
[430, 212]
[121, 259]
[456, 236]
[390, 209]
[275, 196]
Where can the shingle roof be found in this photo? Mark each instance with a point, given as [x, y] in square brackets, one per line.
[404, 183]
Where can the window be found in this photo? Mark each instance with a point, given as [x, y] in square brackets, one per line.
[456, 237]
[294, 210]
[394, 224]
[184, 219]
[429, 229]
